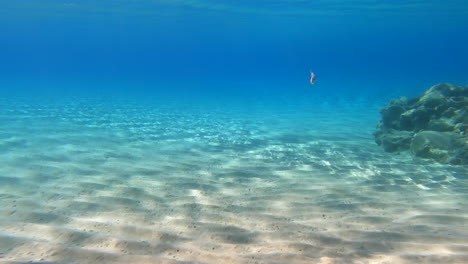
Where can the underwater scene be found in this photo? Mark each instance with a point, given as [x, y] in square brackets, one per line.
[218, 131]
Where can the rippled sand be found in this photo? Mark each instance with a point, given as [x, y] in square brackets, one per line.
[123, 183]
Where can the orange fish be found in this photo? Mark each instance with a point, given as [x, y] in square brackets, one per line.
[312, 77]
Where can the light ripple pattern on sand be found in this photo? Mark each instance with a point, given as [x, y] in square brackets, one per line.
[103, 182]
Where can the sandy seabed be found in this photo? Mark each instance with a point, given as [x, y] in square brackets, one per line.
[117, 183]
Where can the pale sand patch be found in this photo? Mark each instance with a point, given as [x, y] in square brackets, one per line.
[221, 190]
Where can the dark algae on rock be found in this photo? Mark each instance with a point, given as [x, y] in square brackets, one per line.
[432, 126]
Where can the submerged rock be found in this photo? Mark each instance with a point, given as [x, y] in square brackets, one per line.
[432, 126]
[440, 146]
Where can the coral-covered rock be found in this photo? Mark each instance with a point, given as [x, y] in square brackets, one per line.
[432, 126]
[440, 146]
[394, 140]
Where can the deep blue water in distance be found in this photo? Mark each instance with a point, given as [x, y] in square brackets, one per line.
[228, 48]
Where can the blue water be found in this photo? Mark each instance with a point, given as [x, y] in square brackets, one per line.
[185, 131]
[224, 47]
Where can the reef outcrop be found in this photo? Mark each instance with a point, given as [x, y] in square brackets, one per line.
[432, 126]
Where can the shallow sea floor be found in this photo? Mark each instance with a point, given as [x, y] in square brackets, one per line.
[118, 182]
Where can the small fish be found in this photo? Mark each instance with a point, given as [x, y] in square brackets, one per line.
[312, 77]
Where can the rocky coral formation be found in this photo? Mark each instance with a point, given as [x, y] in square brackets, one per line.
[432, 126]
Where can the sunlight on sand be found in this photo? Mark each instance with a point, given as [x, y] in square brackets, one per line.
[197, 189]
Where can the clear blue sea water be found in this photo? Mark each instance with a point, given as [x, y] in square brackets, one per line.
[217, 48]
[187, 131]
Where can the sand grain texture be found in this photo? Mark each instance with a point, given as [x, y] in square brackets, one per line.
[97, 183]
